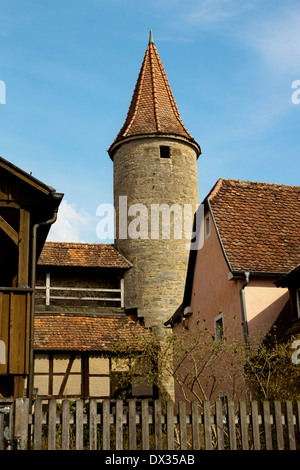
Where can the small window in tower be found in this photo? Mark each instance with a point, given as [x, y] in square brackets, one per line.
[165, 151]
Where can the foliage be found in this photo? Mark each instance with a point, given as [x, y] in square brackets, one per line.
[202, 367]
[272, 371]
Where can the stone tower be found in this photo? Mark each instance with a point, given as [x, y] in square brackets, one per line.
[155, 174]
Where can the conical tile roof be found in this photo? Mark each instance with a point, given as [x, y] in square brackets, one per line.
[153, 109]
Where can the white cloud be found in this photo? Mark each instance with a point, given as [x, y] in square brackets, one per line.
[70, 223]
[276, 39]
[209, 12]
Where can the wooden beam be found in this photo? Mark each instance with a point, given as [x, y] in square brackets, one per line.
[11, 232]
[24, 240]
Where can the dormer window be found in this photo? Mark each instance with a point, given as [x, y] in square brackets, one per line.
[165, 151]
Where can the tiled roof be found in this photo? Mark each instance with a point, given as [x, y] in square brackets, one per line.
[258, 224]
[153, 109]
[82, 254]
[87, 332]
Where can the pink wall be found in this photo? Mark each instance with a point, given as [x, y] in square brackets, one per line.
[213, 293]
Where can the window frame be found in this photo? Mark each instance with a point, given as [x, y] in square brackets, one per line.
[165, 152]
[219, 332]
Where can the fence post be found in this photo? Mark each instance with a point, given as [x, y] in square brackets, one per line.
[1, 431]
[170, 425]
[145, 425]
[195, 425]
[207, 425]
[157, 425]
[182, 425]
[21, 427]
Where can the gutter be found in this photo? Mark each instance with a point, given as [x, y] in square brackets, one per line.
[244, 311]
[32, 306]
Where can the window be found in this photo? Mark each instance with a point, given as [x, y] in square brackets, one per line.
[219, 327]
[298, 302]
[207, 225]
[164, 151]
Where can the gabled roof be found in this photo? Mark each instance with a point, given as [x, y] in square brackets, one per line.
[87, 332]
[153, 109]
[82, 255]
[258, 224]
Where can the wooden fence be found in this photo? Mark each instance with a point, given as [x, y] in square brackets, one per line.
[152, 425]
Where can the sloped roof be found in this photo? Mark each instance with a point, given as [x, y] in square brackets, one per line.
[258, 224]
[83, 255]
[153, 109]
[87, 332]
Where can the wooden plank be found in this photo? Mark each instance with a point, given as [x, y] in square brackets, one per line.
[157, 425]
[79, 424]
[106, 424]
[21, 409]
[2, 431]
[65, 429]
[207, 425]
[52, 424]
[24, 247]
[17, 333]
[119, 425]
[93, 424]
[278, 423]
[231, 426]
[132, 424]
[145, 425]
[4, 328]
[267, 425]
[290, 425]
[10, 231]
[170, 425]
[244, 425]
[37, 427]
[219, 424]
[298, 415]
[195, 425]
[255, 425]
[182, 425]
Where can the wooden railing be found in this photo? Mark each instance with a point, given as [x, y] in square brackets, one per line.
[154, 425]
[83, 293]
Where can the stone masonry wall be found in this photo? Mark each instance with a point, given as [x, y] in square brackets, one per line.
[155, 283]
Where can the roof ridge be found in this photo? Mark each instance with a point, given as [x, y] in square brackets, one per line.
[169, 91]
[215, 189]
[152, 49]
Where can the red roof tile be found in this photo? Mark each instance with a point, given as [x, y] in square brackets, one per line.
[153, 109]
[82, 254]
[87, 332]
[258, 223]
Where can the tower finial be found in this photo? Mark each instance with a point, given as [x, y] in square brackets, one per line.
[151, 37]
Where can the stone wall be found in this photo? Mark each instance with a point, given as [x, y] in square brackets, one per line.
[155, 283]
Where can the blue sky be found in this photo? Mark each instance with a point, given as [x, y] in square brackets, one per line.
[70, 67]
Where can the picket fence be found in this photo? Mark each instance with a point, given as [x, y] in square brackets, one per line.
[151, 425]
